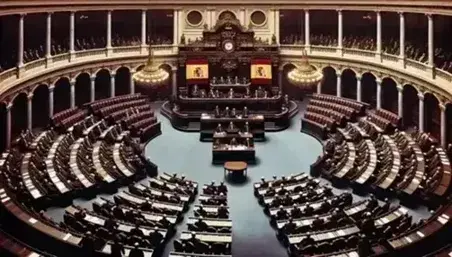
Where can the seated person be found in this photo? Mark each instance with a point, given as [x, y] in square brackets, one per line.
[231, 126]
[136, 251]
[195, 91]
[219, 128]
[217, 111]
[200, 212]
[233, 112]
[231, 93]
[212, 94]
[226, 112]
[233, 141]
[223, 212]
[247, 127]
[202, 225]
[222, 188]
[245, 112]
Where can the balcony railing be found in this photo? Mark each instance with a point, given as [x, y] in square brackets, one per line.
[436, 76]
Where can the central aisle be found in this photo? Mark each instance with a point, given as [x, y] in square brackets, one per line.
[284, 153]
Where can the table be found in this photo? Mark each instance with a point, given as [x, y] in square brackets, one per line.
[235, 167]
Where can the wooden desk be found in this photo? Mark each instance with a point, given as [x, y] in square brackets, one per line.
[224, 152]
[235, 167]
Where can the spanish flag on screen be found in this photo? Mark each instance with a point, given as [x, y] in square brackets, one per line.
[197, 71]
[261, 71]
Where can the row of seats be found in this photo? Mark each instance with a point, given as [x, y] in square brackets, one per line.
[125, 227]
[390, 116]
[209, 233]
[321, 223]
[357, 106]
[99, 104]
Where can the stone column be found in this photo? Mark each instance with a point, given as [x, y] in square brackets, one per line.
[378, 33]
[338, 84]
[30, 111]
[51, 88]
[72, 35]
[49, 37]
[108, 32]
[174, 82]
[378, 93]
[421, 111]
[20, 47]
[112, 84]
[92, 89]
[402, 35]
[319, 87]
[400, 101]
[431, 45]
[339, 30]
[176, 36]
[306, 29]
[442, 108]
[280, 77]
[358, 88]
[132, 83]
[72, 99]
[143, 30]
[8, 125]
[276, 23]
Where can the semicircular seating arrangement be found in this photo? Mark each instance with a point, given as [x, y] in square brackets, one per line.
[372, 153]
[84, 151]
[311, 220]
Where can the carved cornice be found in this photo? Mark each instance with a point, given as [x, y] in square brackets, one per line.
[441, 7]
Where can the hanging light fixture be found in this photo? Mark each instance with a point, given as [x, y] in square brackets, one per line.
[304, 75]
[151, 75]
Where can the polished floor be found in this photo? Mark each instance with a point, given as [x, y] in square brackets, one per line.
[284, 153]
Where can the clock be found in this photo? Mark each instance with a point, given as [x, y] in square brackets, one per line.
[228, 46]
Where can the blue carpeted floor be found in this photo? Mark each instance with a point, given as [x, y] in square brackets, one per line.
[284, 153]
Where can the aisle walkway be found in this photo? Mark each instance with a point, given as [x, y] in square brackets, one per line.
[284, 153]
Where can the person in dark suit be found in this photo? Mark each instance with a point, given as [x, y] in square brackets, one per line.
[117, 249]
[88, 245]
[202, 225]
[136, 251]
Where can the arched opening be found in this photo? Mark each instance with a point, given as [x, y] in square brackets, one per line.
[18, 115]
[410, 106]
[348, 84]
[2, 126]
[164, 91]
[432, 115]
[369, 89]
[329, 81]
[389, 95]
[40, 106]
[288, 88]
[449, 123]
[62, 95]
[102, 89]
[82, 89]
[122, 81]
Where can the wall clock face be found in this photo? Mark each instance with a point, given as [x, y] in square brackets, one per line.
[228, 46]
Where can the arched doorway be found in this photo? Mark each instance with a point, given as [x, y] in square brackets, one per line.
[102, 89]
[82, 89]
[19, 115]
[348, 84]
[329, 81]
[62, 95]
[432, 115]
[122, 81]
[40, 106]
[410, 106]
[369, 89]
[389, 95]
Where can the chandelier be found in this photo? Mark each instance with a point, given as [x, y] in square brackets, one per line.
[151, 75]
[305, 74]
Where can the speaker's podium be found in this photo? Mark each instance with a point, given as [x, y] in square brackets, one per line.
[253, 124]
[229, 146]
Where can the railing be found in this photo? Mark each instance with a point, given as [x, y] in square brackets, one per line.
[438, 77]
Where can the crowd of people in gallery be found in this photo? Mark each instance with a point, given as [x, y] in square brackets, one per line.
[81, 44]
[413, 50]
